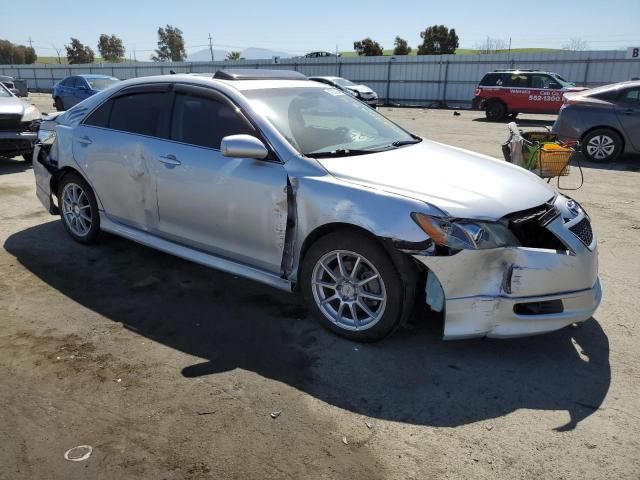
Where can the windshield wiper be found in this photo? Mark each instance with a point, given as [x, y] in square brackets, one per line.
[340, 152]
[400, 143]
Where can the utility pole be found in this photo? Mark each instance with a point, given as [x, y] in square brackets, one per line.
[30, 42]
[211, 48]
[58, 52]
[509, 45]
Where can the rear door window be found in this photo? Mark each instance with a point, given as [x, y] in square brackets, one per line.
[204, 121]
[631, 97]
[517, 80]
[140, 113]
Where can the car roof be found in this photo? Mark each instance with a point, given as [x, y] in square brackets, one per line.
[611, 86]
[326, 77]
[520, 70]
[208, 79]
[90, 76]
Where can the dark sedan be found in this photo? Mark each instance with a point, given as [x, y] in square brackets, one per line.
[605, 120]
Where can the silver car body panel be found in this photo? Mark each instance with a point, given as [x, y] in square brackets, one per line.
[255, 223]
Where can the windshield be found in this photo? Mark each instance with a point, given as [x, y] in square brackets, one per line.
[343, 82]
[101, 83]
[4, 92]
[563, 82]
[319, 121]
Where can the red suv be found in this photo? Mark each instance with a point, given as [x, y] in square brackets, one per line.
[509, 92]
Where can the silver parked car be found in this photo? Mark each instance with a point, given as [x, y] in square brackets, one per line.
[361, 92]
[267, 175]
[606, 120]
[18, 125]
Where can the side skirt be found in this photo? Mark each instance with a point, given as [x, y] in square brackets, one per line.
[197, 256]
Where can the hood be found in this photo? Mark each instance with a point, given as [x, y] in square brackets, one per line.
[576, 89]
[12, 106]
[359, 88]
[462, 183]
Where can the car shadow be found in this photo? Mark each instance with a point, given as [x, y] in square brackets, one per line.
[628, 162]
[230, 323]
[13, 165]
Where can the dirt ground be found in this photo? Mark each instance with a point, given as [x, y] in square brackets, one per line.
[171, 371]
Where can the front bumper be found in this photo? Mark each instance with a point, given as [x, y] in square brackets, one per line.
[517, 291]
[16, 142]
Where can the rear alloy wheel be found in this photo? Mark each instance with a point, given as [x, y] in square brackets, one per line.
[78, 209]
[601, 145]
[352, 286]
[495, 111]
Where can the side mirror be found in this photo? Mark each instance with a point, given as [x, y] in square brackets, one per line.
[243, 146]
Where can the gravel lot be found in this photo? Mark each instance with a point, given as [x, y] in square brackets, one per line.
[171, 371]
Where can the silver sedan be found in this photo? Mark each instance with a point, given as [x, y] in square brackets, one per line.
[297, 185]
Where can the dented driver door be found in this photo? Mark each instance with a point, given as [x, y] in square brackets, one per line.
[232, 207]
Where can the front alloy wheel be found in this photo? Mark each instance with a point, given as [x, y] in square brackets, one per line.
[348, 290]
[352, 286]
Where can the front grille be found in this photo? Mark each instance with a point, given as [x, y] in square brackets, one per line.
[10, 122]
[528, 226]
[583, 231]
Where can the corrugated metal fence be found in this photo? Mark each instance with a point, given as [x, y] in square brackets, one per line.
[404, 80]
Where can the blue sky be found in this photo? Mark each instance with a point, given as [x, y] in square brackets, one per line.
[301, 26]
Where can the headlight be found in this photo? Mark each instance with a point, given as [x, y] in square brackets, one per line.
[30, 114]
[46, 137]
[465, 234]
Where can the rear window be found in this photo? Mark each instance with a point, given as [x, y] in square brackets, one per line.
[493, 80]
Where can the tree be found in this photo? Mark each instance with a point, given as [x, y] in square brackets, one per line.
[438, 40]
[111, 48]
[492, 45]
[16, 54]
[401, 47]
[79, 53]
[368, 48]
[170, 45]
[576, 44]
[234, 56]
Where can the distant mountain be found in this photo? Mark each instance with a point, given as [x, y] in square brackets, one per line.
[205, 55]
[251, 53]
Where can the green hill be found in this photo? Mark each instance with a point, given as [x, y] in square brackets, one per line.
[465, 51]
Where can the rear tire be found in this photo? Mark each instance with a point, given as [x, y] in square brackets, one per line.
[78, 209]
[58, 104]
[352, 286]
[601, 145]
[495, 111]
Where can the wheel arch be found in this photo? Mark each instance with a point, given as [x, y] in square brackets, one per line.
[407, 268]
[56, 178]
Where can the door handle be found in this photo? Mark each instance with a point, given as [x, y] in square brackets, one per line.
[84, 140]
[170, 160]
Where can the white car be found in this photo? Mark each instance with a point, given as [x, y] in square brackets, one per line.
[359, 91]
[18, 125]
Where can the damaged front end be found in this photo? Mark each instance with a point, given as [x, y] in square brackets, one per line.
[530, 272]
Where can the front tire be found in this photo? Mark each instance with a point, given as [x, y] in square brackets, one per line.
[28, 157]
[78, 209]
[352, 286]
[601, 145]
